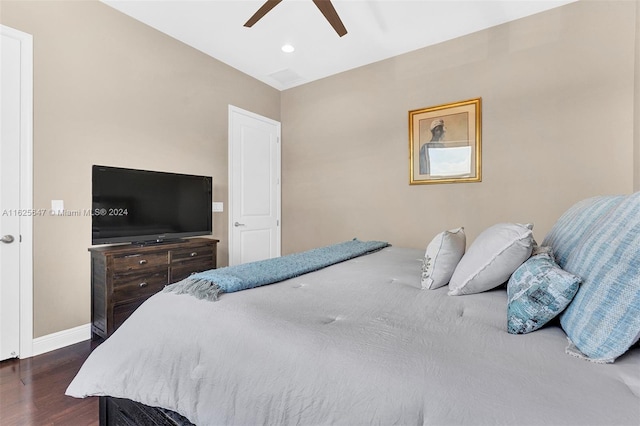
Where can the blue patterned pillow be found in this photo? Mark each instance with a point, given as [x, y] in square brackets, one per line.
[603, 320]
[576, 223]
[537, 292]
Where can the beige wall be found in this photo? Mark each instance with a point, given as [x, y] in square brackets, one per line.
[558, 126]
[109, 90]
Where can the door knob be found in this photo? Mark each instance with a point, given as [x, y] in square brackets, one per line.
[238, 224]
[7, 239]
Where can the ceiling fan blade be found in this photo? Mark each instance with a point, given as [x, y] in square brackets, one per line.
[270, 4]
[330, 13]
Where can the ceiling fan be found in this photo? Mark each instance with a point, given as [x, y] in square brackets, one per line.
[325, 7]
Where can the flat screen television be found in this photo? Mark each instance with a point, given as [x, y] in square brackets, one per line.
[142, 206]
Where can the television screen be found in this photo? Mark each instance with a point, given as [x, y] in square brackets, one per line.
[147, 206]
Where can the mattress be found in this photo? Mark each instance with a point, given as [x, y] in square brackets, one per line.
[356, 343]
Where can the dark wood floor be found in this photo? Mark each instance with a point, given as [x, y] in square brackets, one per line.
[32, 389]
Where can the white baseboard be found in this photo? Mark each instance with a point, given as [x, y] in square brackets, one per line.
[63, 338]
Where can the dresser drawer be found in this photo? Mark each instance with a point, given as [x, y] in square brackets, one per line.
[122, 311]
[192, 254]
[134, 262]
[183, 271]
[133, 286]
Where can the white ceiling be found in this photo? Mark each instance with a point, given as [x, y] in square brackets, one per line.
[377, 29]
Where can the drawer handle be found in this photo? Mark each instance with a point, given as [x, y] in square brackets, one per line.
[143, 284]
[194, 254]
[142, 262]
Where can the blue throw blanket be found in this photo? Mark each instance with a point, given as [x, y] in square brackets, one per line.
[209, 284]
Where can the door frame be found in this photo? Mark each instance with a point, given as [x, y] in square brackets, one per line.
[236, 110]
[26, 188]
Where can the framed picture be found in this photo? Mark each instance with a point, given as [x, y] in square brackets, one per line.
[445, 143]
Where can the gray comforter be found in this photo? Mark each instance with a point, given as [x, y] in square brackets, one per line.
[355, 343]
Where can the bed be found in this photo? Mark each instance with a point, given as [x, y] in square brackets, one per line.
[359, 342]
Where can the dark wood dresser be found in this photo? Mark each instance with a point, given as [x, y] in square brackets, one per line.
[124, 276]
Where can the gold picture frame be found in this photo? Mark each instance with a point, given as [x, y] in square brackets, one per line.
[445, 143]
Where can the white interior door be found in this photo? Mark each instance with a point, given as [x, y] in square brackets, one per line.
[254, 187]
[16, 69]
[9, 198]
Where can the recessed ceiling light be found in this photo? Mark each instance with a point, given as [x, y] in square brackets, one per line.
[287, 48]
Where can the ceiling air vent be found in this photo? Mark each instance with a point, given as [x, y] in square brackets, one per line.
[286, 76]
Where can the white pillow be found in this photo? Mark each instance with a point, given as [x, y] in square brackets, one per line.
[494, 255]
[441, 258]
